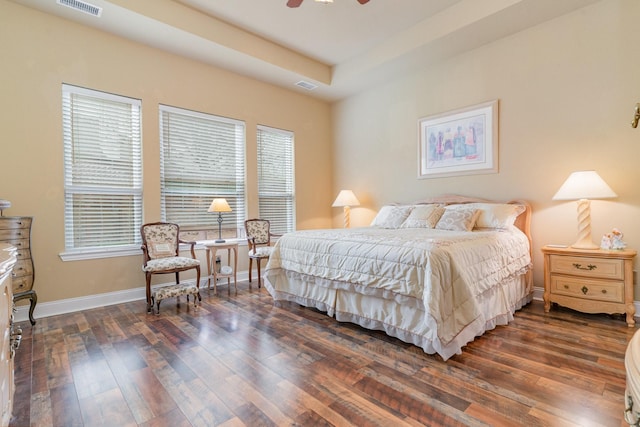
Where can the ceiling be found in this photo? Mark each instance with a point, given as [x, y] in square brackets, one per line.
[341, 48]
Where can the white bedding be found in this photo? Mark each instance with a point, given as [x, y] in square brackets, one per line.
[434, 288]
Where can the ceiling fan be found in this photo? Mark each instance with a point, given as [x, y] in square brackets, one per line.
[296, 3]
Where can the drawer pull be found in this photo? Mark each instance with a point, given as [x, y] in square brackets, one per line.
[566, 286]
[584, 290]
[604, 291]
[588, 267]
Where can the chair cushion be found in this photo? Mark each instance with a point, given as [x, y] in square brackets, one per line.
[262, 252]
[175, 291]
[163, 264]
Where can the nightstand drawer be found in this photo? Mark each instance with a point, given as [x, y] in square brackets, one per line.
[600, 290]
[604, 268]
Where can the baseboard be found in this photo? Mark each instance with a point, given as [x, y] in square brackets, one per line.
[538, 293]
[71, 305]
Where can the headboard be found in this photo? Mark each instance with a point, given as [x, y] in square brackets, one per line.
[523, 221]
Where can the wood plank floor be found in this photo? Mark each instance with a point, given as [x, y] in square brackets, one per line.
[239, 360]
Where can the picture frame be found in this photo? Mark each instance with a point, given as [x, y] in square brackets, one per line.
[459, 142]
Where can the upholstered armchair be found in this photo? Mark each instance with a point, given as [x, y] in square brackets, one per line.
[160, 246]
[259, 241]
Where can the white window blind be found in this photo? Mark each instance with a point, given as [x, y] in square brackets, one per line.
[102, 170]
[276, 182]
[202, 158]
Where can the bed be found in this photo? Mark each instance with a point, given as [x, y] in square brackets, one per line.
[435, 273]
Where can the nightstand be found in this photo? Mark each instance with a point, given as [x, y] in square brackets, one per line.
[211, 249]
[591, 281]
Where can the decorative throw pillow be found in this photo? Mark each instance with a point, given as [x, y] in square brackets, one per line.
[160, 250]
[493, 215]
[458, 219]
[498, 215]
[391, 216]
[423, 216]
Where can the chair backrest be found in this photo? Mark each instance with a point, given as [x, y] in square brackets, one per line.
[258, 230]
[160, 239]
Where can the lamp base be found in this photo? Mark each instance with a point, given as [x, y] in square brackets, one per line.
[219, 239]
[347, 216]
[584, 226]
[587, 245]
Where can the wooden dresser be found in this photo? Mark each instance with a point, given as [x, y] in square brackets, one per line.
[16, 230]
[591, 281]
[9, 339]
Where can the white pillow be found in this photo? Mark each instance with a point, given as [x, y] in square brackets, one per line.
[457, 219]
[391, 216]
[423, 216]
[494, 215]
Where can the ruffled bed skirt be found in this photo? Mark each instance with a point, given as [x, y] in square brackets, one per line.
[404, 321]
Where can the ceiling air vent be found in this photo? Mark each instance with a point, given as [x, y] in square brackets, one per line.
[306, 85]
[82, 7]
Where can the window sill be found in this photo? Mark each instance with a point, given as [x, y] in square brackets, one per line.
[80, 255]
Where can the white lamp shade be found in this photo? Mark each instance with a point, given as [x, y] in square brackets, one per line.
[219, 205]
[346, 198]
[584, 185]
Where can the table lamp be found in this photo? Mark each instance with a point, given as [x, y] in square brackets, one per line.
[219, 205]
[583, 186]
[346, 199]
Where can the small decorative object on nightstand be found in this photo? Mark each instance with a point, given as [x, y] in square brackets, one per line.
[589, 280]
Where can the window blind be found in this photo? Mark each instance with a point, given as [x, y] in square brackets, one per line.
[102, 169]
[276, 182]
[202, 158]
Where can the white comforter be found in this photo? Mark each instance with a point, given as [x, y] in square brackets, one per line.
[441, 272]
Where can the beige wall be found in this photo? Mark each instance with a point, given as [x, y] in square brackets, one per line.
[40, 52]
[567, 89]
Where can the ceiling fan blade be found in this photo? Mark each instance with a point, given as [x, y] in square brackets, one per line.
[296, 3]
[363, 1]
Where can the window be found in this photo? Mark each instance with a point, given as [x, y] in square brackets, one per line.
[276, 189]
[102, 173]
[202, 157]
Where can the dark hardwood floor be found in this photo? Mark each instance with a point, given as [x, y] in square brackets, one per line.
[239, 360]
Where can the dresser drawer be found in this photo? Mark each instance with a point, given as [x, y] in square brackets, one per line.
[604, 268]
[21, 284]
[601, 290]
[11, 235]
[23, 268]
[9, 223]
[23, 254]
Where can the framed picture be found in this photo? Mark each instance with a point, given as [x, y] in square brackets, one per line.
[459, 142]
